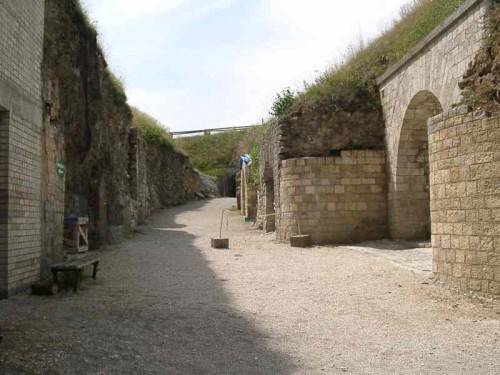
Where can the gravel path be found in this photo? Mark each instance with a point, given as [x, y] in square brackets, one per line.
[166, 303]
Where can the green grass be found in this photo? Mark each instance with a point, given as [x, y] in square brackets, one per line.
[351, 84]
[151, 130]
[212, 154]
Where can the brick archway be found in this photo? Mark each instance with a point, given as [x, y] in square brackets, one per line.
[409, 196]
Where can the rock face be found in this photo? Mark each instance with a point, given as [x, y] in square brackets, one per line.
[111, 174]
[481, 81]
[161, 177]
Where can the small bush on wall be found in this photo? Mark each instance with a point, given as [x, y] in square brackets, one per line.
[283, 102]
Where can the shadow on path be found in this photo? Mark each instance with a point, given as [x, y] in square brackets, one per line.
[156, 308]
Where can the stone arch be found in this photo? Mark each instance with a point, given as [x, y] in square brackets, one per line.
[269, 199]
[409, 195]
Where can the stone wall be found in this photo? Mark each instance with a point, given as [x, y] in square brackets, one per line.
[334, 199]
[83, 122]
[434, 67]
[327, 130]
[271, 145]
[21, 40]
[248, 194]
[162, 177]
[465, 200]
[112, 176]
[321, 133]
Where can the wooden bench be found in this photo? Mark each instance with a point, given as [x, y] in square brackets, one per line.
[76, 267]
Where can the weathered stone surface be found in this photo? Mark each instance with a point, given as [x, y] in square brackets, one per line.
[83, 123]
[323, 133]
[465, 200]
[248, 193]
[334, 199]
[432, 70]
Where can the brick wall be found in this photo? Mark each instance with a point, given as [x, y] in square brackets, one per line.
[336, 199]
[21, 43]
[4, 195]
[465, 200]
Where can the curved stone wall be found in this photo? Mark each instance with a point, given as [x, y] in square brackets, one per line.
[465, 200]
[334, 199]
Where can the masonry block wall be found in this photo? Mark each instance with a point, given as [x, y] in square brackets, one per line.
[334, 199]
[273, 142]
[465, 200]
[434, 66]
[52, 198]
[21, 43]
[319, 133]
[248, 194]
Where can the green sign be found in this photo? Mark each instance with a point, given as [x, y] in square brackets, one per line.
[60, 168]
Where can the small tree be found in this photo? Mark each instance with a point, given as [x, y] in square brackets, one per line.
[283, 102]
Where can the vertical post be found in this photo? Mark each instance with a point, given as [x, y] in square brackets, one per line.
[298, 222]
[221, 221]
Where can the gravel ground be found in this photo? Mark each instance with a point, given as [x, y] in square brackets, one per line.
[166, 303]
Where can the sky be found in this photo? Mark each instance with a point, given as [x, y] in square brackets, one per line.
[200, 64]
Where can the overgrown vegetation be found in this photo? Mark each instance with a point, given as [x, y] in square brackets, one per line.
[151, 129]
[351, 84]
[481, 83]
[212, 154]
[283, 102]
[148, 127]
[255, 155]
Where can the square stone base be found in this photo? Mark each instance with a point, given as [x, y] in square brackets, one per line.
[303, 240]
[220, 243]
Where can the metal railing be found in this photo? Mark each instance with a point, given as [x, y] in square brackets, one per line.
[210, 131]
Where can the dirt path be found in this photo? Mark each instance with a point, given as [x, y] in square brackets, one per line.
[166, 303]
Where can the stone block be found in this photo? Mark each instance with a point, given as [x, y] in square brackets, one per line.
[303, 240]
[220, 243]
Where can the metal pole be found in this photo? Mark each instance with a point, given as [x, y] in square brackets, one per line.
[298, 222]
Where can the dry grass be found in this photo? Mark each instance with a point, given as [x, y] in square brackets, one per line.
[151, 130]
[350, 85]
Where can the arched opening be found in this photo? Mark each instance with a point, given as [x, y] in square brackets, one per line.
[409, 197]
[270, 219]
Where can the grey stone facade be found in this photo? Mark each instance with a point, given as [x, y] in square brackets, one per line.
[21, 116]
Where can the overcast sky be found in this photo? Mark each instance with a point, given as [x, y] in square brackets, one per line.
[197, 64]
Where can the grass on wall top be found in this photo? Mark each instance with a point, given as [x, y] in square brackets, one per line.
[211, 154]
[151, 130]
[351, 84]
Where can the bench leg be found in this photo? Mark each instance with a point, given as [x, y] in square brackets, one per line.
[54, 276]
[78, 274]
[94, 273]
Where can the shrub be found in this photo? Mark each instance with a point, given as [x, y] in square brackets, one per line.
[283, 102]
